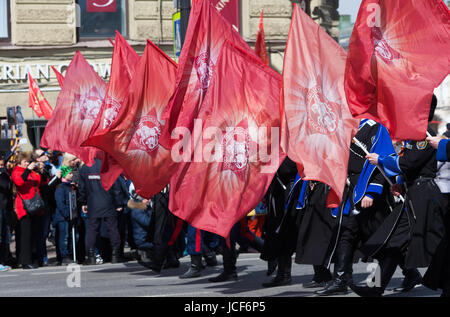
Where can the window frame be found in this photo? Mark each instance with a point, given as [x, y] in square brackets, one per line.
[99, 38]
[7, 40]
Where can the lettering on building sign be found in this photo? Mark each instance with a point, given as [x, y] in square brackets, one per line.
[42, 71]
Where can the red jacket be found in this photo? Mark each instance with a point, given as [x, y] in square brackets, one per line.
[25, 189]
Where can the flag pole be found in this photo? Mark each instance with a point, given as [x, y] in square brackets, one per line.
[362, 147]
[71, 199]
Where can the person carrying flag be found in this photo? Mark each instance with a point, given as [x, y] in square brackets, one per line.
[364, 205]
[419, 221]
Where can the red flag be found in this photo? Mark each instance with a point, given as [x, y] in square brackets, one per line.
[37, 101]
[132, 139]
[123, 67]
[59, 77]
[317, 127]
[398, 54]
[77, 107]
[206, 33]
[234, 163]
[260, 45]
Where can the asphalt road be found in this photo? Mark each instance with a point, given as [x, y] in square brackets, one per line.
[132, 280]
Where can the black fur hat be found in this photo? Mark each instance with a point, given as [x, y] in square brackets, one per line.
[432, 108]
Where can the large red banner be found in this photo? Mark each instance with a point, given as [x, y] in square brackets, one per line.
[101, 6]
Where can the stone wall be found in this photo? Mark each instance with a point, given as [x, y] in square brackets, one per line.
[43, 22]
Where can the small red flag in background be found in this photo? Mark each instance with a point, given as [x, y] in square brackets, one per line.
[206, 33]
[123, 67]
[398, 53]
[76, 108]
[236, 168]
[317, 126]
[36, 100]
[101, 6]
[132, 139]
[59, 77]
[260, 44]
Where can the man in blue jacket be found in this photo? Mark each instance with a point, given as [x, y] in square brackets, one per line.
[61, 218]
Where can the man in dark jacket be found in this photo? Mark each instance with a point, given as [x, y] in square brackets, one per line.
[99, 204]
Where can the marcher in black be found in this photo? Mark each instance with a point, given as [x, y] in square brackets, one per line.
[317, 234]
[280, 226]
[361, 211]
[437, 275]
[100, 204]
[419, 222]
[164, 232]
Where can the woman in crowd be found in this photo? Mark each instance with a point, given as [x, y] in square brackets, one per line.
[27, 183]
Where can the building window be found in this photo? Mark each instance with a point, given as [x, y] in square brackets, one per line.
[5, 30]
[101, 18]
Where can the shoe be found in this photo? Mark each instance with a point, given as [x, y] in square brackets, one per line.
[314, 284]
[116, 257]
[223, 277]
[366, 291]
[4, 268]
[408, 284]
[445, 293]
[210, 257]
[155, 258]
[91, 258]
[29, 267]
[279, 280]
[98, 259]
[336, 287]
[195, 270]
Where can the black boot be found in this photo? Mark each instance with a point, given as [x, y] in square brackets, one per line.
[195, 268]
[412, 278]
[337, 287]
[156, 258]
[388, 265]
[322, 276]
[283, 276]
[210, 256]
[91, 260]
[224, 276]
[342, 271]
[116, 256]
[171, 259]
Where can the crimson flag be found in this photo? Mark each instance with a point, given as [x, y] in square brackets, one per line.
[398, 54]
[123, 67]
[206, 33]
[132, 139]
[260, 45]
[317, 126]
[238, 153]
[59, 77]
[37, 101]
[76, 109]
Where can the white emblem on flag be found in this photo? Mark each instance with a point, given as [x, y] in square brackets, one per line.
[204, 66]
[321, 115]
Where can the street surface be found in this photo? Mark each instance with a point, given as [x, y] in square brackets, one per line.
[133, 280]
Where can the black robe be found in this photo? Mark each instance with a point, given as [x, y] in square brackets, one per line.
[280, 229]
